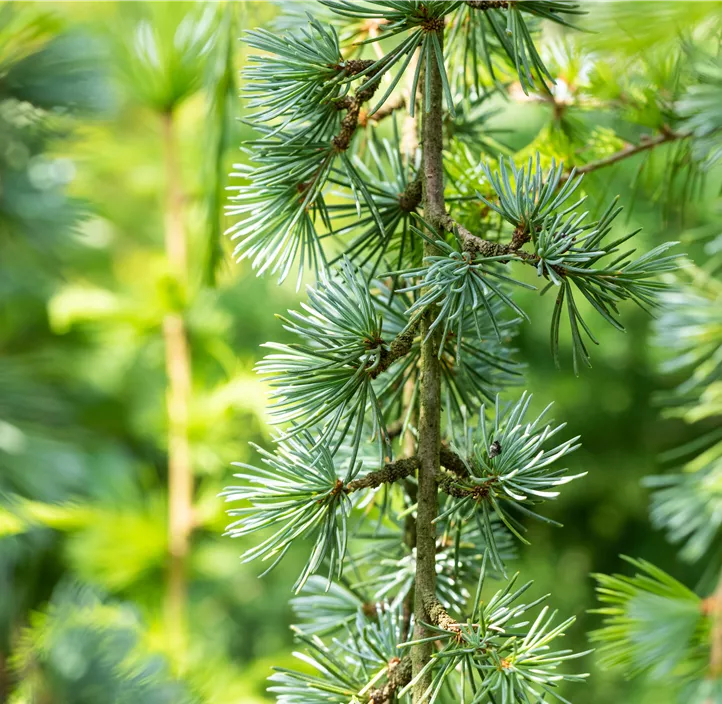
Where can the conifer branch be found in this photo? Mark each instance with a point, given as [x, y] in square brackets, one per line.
[449, 328]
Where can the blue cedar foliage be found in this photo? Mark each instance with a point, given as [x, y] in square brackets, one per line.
[335, 194]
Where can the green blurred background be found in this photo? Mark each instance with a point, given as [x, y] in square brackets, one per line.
[84, 286]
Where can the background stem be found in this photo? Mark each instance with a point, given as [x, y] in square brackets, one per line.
[430, 396]
[178, 392]
[715, 658]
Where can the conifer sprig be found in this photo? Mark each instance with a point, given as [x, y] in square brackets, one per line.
[326, 379]
[488, 31]
[299, 493]
[297, 81]
[501, 657]
[459, 288]
[420, 317]
[511, 469]
[421, 20]
[653, 624]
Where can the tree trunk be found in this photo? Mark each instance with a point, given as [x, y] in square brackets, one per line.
[430, 397]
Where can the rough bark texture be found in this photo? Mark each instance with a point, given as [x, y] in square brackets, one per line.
[399, 675]
[430, 396]
[454, 463]
[391, 472]
[400, 346]
[178, 371]
[489, 4]
[439, 617]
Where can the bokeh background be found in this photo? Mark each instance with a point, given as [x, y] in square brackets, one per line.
[86, 93]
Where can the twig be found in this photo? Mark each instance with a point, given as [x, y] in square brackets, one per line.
[386, 110]
[400, 346]
[352, 105]
[665, 137]
[488, 4]
[451, 461]
[390, 473]
[473, 244]
[410, 198]
[399, 675]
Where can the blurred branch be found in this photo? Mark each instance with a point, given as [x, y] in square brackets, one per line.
[715, 658]
[665, 137]
[178, 370]
[386, 110]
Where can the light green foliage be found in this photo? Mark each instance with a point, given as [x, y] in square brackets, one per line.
[701, 107]
[653, 624]
[656, 626]
[688, 504]
[84, 644]
[163, 51]
[83, 494]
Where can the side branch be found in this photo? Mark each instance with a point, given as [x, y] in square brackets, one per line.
[399, 675]
[390, 473]
[399, 347]
[352, 105]
[453, 463]
[438, 615]
[473, 244]
[489, 4]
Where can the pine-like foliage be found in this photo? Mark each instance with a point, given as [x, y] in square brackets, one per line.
[362, 110]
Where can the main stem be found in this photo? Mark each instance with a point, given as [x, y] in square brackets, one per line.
[430, 396]
[178, 371]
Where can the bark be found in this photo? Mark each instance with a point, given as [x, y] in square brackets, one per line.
[391, 472]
